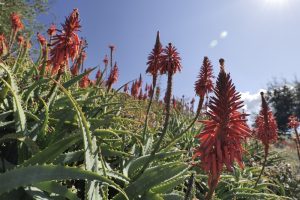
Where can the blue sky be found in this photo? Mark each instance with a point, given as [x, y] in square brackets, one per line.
[260, 40]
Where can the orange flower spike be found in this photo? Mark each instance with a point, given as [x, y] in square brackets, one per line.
[293, 122]
[204, 83]
[113, 77]
[98, 74]
[174, 102]
[170, 60]
[155, 58]
[105, 60]
[16, 22]
[126, 88]
[66, 44]
[85, 81]
[223, 132]
[20, 40]
[3, 45]
[52, 30]
[42, 40]
[266, 130]
[140, 81]
[140, 97]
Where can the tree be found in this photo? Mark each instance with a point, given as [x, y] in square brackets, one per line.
[283, 100]
[28, 9]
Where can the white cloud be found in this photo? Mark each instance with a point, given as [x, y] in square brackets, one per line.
[213, 43]
[252, 103]
[223, 34]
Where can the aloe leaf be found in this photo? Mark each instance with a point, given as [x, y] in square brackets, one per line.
[90, 146]
[20, 119]
[139, 162]
[53, 151]
[35, 174]
[69, 157]
[54, 187]
[151, 178]
[76, 78]
[28, 141]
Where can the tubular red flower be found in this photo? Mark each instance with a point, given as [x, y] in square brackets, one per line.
[20, 40]
[174, 102]
[98, 74]
[126, 88]
[66, 44]
[293, 122]
[105, 60]
[204, 83]
[150, 91]
[140, 97]
[134, 89]
[266, 130]
[27, 44]
[157, 92]
[42, 40]
[52, 30]
[113, 77]
[78, 64]
[3, 45]
[16, 22]
[145, 96]
[224, 131]
[85, 81]
[112, 47]
[154, 58]
[140, 81]
[170, 60]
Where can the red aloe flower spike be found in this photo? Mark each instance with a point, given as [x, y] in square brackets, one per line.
[126, 88]
[52, 30]
[294, 124]
[170, 60]
[20, 40]
[145, 96]
[105, 60]
[78, 63]
[66, 45]
[204, 83]
[140, 97]
[16, 26]
[140, 81]
[16, 22]
[150, 91]
[170, 64]
[154, 65]
[224, 131]
[27, 45]
[98, 74]
[85, 81]
[157, 93]
[3, 45]
[154, 58]
[113, 77]
[42, 40]
[174, 102]
[266, 130]
[112, 49]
